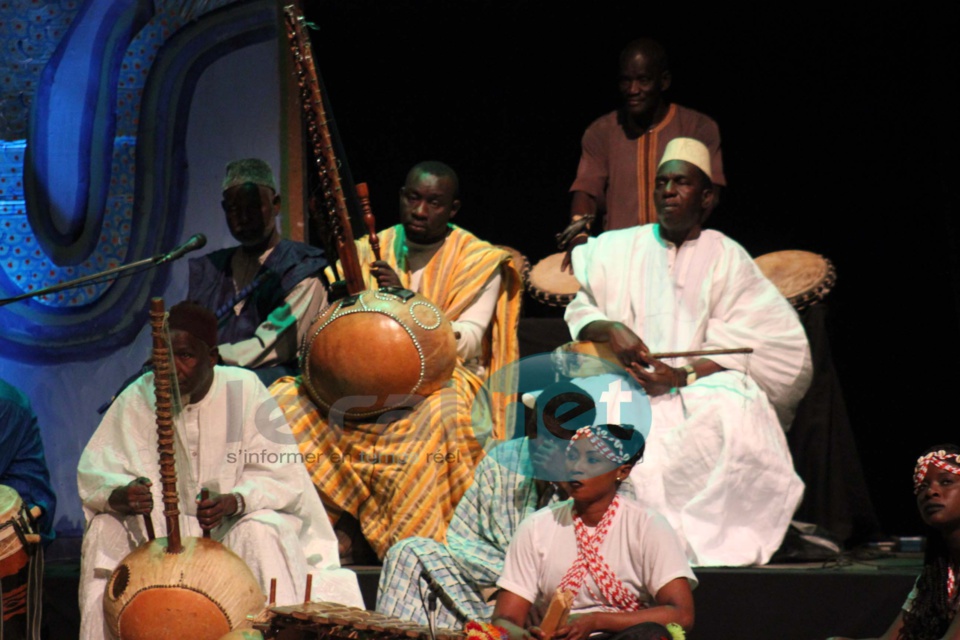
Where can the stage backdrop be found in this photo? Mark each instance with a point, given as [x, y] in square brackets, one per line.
[118, 119]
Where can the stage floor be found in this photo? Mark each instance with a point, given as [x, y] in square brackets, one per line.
[857, 597]
[854, 598]
[803, 602]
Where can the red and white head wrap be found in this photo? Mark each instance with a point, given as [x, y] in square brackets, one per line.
[609, 445]
[938, 459]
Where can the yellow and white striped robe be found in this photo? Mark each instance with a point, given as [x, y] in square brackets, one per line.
[405, 478]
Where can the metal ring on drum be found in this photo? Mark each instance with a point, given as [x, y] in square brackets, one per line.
[550, 284]
[804, 278]
[377, 351]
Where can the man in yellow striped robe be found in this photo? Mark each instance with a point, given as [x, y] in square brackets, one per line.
[405, 478]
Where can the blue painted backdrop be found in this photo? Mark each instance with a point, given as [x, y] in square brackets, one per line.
[116, 120]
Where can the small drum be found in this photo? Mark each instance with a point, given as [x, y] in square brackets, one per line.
[551, 285]
[316, 620]
[21, 568]
[802, 277]
[519, 261]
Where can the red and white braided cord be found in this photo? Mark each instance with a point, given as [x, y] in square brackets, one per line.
[589, 560]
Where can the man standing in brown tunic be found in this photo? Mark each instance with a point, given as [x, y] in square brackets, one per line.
[621, 150]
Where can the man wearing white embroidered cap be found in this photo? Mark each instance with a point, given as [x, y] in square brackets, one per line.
[720, 469]
[266, 291]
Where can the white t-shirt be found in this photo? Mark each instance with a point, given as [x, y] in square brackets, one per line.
[640, 548]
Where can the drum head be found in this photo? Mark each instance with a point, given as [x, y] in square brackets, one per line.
[551, 285]
[802, 277]
[10, 502]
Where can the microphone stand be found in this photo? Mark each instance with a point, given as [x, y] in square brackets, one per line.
[431, 604]
[155, 261]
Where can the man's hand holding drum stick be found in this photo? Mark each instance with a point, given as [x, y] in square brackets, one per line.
[622, 345]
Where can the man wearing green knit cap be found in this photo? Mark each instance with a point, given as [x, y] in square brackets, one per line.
[266, 291]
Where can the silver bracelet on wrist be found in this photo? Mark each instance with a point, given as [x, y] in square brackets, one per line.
[241, 504]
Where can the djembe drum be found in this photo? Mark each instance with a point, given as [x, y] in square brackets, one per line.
[21, 568]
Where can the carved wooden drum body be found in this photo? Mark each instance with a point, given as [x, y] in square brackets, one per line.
[520, 262]
[201, 593]
[376, 351]
[19, 577]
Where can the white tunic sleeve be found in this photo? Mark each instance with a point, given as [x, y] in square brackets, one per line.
[585, 308]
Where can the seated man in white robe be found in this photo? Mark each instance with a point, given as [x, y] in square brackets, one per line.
[231, 439]
[719, 468]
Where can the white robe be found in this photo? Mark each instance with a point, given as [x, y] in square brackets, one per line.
[235, 439]
[717, 464]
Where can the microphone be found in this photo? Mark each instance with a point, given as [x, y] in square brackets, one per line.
[196, 241]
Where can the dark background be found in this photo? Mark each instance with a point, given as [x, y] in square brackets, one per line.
[839, 137]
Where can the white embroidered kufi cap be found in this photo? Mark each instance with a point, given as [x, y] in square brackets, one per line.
[252, 170]
[689, 150]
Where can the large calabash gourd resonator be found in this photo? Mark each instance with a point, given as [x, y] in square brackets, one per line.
[377, 351]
